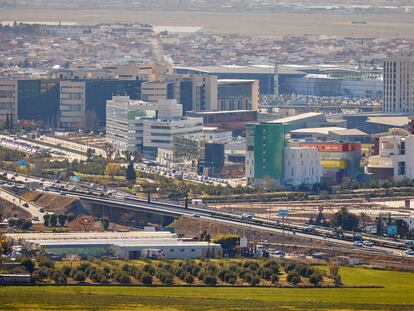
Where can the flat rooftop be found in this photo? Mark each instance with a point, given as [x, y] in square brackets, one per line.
[318, 130]
[91, 235]
[298, 117]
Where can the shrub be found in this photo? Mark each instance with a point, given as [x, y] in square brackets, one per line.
[293, 278]
[59, 277]
[274, 279]
[189, 279]
[45, 262]
[252, 265]
[165, 277]
[230, 278]
[66, 270]
[210, 279]
[149, 269]
[290, 267]
[125, 279]
[84, 265]
[28, 264]
[315, 279]
[254, 281]
[145, 278]
[267, 273]
[80, 276]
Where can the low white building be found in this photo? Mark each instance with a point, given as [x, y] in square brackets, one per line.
[395, 160]
[302, 166]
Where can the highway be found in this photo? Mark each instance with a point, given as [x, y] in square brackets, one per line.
[129, 202]
[32, 208]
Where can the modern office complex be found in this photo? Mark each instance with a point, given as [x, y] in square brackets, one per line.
[235, 120]
[338, 159]
[317, 80]
[399, 85]
[395, 160]
[38, 100]
[83, 103]
[145, 127]
[265, 145]
[198, 93]
[8, 99]
[238, 95]
[124, 122]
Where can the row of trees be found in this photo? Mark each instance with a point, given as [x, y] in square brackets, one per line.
[250, 272]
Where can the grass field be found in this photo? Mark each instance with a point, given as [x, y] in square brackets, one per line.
[396, 295]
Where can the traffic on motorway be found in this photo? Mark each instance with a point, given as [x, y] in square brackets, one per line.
[17, 182]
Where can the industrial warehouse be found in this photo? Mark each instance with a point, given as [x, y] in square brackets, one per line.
[125, 245]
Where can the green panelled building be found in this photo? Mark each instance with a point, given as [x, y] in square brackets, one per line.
[266, 143]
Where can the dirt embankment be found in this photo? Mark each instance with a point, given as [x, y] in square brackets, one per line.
[8, 210]
[53, 202]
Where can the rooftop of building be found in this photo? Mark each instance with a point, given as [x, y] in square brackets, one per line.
[398, 121]
[318, 130]
[281, 69]
[349, 132]
[221, 112]
[298, 117]
[89, 235]
[234, 81]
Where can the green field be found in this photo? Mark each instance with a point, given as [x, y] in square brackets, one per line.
[397, 294]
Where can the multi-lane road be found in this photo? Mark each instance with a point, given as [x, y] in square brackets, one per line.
[122, 199]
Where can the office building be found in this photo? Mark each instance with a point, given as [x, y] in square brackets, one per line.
[266, 75]
[235, 120]
[154, 91]
[238, 94]
[83, 103]
[399, 85]
[395, 160]
[160, 132]
[8, 100]
[145, 127]
[38, 100]
[198, 93]
[124, 122]
[338, 159]
[265, 147]
[302, 166]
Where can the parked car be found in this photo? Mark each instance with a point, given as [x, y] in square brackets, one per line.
[358, 243]
[25, 205]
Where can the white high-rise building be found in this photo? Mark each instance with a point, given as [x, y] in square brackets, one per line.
[124, 122]
[145, 127]
[399, 85]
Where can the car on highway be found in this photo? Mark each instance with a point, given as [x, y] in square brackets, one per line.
[409, 252]
[42, 210]
[246, 216]
[195, 215]
[358, 243]
[25, 205]
[35, 218]
[310, 228]
[368, 243]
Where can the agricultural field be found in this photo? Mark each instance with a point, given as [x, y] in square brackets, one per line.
[394, 293]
